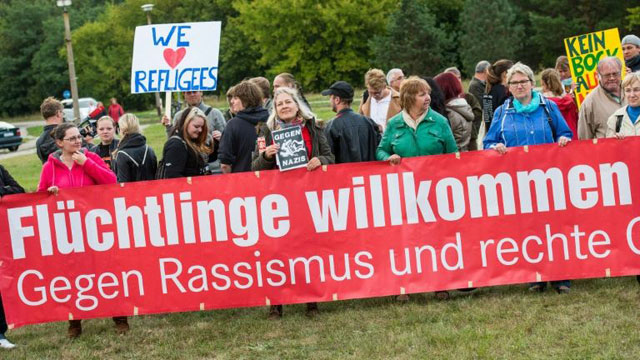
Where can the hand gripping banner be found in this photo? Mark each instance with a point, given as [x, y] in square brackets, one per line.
[349, 231]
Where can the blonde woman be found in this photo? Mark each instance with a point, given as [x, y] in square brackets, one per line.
[133, 160]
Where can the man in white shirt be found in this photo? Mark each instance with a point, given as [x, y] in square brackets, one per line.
[383, 102]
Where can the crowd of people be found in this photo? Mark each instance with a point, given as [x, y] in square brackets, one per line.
[398, 117]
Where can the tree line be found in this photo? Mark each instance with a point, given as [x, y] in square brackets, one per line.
[318, 41]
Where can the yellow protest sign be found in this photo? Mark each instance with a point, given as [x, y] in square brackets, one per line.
[584, 53]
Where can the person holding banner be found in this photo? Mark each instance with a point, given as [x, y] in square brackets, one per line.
[624, 121]
[603, 101]
[8, 186]
[288, 111]
[184, 153]
[528, 119]
[416, 131]
[71, 167]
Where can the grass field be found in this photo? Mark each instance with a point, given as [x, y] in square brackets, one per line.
[597, 320]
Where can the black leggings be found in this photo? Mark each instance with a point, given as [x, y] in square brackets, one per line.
[3, 321]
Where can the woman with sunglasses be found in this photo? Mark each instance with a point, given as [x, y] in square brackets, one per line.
[73, 166]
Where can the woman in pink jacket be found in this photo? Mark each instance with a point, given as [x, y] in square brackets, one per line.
[70, 167]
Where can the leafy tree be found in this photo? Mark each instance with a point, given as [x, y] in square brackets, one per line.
[549, 22]
[412, 41]
[31, 34]
[489, 32]
[318, 41]
[633, 17]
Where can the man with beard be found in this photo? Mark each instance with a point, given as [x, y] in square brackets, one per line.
[603, 101]
[352, 137]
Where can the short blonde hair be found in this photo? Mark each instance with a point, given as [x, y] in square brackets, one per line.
[409, 89]
[631, 78]
[128, 124]
[376, 79]
[520, 68]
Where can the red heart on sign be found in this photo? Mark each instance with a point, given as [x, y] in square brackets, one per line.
[173, 57]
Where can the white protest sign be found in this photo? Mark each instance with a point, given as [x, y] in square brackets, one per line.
[175, 57]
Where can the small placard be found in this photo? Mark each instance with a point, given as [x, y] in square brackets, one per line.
[292, 153]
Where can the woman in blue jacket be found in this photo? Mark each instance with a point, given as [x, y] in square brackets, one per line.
[527, 119]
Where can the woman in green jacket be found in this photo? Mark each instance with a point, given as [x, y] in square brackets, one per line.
[417, 130]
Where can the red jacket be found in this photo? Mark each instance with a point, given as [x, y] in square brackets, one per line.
[569, 111]
[115, 111]
[93, 172]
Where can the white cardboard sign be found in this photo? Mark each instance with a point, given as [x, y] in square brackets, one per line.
[175, 57]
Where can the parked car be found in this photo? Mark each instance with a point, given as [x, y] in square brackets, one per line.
[86, 104]
[10, 137]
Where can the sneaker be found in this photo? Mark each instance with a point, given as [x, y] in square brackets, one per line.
[275, 312]
[75, 329]
[122, 325]
[442, 295]
[563, 289]
[6, 344]
[402, 298]
[312, 309]
[536, 288]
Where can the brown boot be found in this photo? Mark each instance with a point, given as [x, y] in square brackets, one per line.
[312, 309]
[75, 329]
[275, 312]
[442, 295]
[122, 326]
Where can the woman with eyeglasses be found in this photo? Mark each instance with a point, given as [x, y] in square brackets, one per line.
[73, 166]
[187, 151]
[527, 119]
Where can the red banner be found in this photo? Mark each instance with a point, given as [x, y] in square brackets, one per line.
[475, 219]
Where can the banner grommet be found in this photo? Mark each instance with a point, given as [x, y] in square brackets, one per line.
[201, 306]
[335, 296]
[607, 272]
[135, 311]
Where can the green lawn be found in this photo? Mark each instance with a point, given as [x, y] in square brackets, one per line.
[598, 320]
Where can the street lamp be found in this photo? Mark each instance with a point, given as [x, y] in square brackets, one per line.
[147, 9]
[72, 69]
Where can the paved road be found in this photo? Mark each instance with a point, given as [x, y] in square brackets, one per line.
[28, 147]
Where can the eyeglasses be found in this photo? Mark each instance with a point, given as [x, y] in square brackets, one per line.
[613, 75]
[630, 90]
[74, 138]
[518, 83]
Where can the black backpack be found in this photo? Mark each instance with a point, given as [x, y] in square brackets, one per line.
[160, 172]
[144, 160]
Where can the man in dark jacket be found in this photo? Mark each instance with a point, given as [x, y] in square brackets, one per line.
[240, 134]
[351, 136]
[51, 110]
[478, 84]
[631, 52]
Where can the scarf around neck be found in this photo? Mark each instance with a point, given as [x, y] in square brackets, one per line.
[531, 106]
